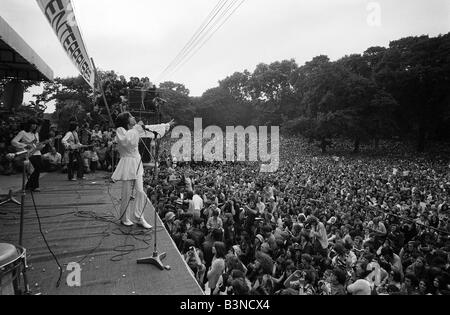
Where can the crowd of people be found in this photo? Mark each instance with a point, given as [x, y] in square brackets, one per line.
[321, 225]
[9, 128]
[99, 152]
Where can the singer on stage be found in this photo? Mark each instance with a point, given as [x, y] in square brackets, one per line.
[130, 169]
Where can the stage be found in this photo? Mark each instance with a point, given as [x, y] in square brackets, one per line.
[74, 220]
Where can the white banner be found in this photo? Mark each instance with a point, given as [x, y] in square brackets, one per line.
[61, 17]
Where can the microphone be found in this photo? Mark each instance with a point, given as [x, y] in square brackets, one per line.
[145, 128]
[151, 131]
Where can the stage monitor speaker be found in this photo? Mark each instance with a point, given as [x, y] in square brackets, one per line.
[13, 94]
[45, 130]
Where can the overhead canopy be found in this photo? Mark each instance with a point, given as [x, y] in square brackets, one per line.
[18, 60]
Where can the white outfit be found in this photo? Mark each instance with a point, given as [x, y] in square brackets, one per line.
[198, 202]
[71, 138]
[130, 170]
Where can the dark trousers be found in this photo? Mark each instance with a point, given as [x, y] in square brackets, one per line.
[94, 166]
[75, 155]
[33, 181]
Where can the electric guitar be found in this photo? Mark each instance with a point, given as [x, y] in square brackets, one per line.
[34, 147]
[41, 145]
[12, 156]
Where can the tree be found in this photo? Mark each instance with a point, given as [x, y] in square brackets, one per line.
[175, 87]
[272, 91]
[415, 70]
[179, 107]
[238, 85]
[218, 107]
[73, 99]
[357, 64]
[339, 102]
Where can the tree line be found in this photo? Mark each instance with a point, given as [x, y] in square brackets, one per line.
[396, 92]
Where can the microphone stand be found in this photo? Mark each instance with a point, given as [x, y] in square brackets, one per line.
[26, 163]
[22, 217]
[157, 258]
[22, 205]
[11, 197]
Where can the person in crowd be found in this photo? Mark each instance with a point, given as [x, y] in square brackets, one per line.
[96, 134]
[218, 265]
[28, 139]
[313, 227]
[360, 285]
[52, 160]
[73, 146]
[130, 170]
[195, 261]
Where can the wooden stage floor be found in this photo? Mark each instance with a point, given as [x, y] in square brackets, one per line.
[72, 215]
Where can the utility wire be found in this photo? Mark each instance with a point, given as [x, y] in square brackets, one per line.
[194, 39]
[211, 35]
[202, 36]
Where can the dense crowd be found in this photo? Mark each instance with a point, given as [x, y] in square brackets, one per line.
[321, 225]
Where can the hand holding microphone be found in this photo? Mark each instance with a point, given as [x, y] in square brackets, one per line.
[141, 123]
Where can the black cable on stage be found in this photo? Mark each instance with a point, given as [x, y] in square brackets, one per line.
[124, 250]
[42, 217]
[58, 283]
[144, 236]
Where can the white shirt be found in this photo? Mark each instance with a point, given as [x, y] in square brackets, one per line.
[322, 238]
[128, 142]
[375, 276]
[26, 138]
[71, 138]
[360, 287]
[130, 165]
[261, 207]
[188, 184]
[198, 202]
[53, 158]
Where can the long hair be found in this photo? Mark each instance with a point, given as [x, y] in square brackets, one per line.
[123, 120]
[29, 123]
[221, 250]
[73, 126]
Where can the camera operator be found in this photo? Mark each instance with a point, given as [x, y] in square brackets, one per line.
[194, 259]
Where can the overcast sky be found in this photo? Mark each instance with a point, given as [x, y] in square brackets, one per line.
[141, 37]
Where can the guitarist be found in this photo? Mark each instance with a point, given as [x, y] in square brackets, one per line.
[72, 143]
[29, 139]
